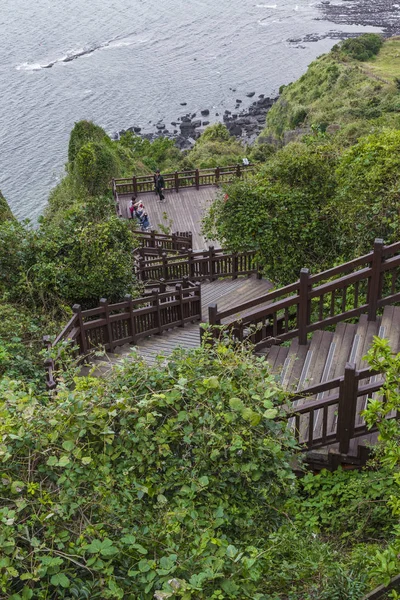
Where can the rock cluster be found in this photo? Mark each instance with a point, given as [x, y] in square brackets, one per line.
[245, 124]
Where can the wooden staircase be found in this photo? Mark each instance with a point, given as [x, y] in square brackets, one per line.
[314, 333]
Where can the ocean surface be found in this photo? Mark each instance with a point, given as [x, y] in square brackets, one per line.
[132, 62]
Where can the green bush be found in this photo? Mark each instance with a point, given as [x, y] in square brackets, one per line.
[361, 48]
[281, 213]
[5, 211]
[367, 197]
[168, 478]
[80, 262]
[95, 165]
[83, 133]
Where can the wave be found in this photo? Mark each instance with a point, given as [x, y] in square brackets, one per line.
[117, 42]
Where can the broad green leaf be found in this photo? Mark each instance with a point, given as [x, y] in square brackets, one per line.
[236, 404]
[60, 579]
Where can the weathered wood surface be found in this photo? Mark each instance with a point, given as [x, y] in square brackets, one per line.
[182, 211]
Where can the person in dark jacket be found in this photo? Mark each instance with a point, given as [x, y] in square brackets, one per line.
[160, 185]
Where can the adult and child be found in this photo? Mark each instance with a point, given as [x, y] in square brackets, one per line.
[137, 211]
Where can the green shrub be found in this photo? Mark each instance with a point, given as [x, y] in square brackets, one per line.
[82, 133]
[361, 48]
[366, 201]
[85, 256]
[95, 165]
[168, 478]
[5, 211]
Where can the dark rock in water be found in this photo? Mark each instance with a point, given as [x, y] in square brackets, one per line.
[160, 126]
[175, 131]
[174, 123]
[250, 94]
[234, 116]
[217, 114]
[205, 112]
[122, 132]
[205, 123]
[137, 129]
[196, 123]
[194, 115]
[233, 89]
[186, 120]
[238, 101]
[261, 96]
[183, 103]
[115, 136]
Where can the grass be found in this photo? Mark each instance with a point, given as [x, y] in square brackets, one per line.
[387, 63]
[340, 92]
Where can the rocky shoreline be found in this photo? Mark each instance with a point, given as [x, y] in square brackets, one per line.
[243, 124]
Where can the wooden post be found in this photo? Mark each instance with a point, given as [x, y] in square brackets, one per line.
[174, 242]
[104, 305]
[82, 337]
[213, 314]
[129, 309]
[217, 175]
[347, 407]
[134, 181]
[303, 306]
[190, 262]
[176, 181]
[152, 239]
[141, 272]
[190, 238]
[197, 178]
[164, 266]
[238, 171]
[179, 293]
[163, 285]
[235, 265]
[185, 282]
[375, 280]
[211, 255]
[157, 315]
[198, 295]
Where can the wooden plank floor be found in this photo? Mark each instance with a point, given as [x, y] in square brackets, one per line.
[182, 211]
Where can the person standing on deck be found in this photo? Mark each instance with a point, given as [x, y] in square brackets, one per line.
[160, 185]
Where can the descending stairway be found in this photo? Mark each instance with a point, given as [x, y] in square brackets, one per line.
[324, 358]
[227, 292]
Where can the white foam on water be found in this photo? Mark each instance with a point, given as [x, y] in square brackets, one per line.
[266, 6]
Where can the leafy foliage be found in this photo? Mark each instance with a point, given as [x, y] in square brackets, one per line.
[5, 211]
[362, 47]
[192, 448]
[82, 133]
[281, 213]
[95, 165]
[367, 197]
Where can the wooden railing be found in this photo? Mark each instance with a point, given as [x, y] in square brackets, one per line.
[195, 178]
[111, 325]
[197, 266]
[383, 590]
[363, 285]
[330, 412]
[178, 241]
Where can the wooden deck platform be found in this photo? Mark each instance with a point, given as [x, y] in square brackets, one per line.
[182, 211]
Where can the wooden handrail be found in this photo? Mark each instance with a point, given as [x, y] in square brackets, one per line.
[363, 285]
[111, 325]
[382, 590]
[180, 179]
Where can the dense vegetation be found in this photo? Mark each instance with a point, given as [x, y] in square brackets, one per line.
[177, 481]
[324, 197]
